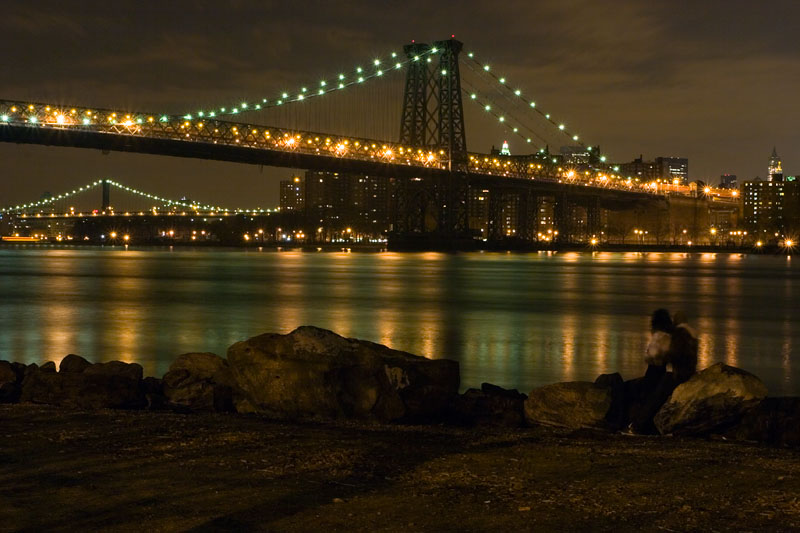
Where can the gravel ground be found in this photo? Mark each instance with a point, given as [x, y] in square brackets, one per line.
[63, 470]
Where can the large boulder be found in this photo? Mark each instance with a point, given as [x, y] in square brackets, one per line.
[315, 372]
[103, 385]
[73, 364]
[712, 399]
[575, 404]
[489, 406]
[200, 381]
[774, 421]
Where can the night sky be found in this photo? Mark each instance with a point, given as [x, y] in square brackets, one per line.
[715, 81]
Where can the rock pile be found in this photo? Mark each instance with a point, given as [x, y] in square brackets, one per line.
[312, 372]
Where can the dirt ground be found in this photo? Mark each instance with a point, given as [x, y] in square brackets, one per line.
[64, 470]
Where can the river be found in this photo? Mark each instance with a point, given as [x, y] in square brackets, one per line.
[516, 320]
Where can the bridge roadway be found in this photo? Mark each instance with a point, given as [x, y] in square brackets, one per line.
[204, 138]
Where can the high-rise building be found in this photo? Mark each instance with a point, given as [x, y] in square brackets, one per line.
[639, 168]
[293, 194]
[576, 155]
[762, 203]
[336, 201]
[673, 168]
[727, 181]
[774, 170]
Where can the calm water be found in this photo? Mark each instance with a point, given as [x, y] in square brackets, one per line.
[517, 320]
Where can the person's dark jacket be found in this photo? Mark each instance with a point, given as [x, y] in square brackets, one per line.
[683, 353]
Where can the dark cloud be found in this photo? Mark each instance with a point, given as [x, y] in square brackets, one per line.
[714, 80]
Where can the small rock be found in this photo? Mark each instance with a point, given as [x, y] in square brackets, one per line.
[132, 371]
[575, 404]
[491, 405]
[338, 500]
[49, 366]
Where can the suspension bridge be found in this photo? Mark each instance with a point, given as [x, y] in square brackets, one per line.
[429, 159]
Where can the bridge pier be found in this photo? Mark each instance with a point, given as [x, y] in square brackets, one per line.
[528, 215]
[562, 218]
[593, 221]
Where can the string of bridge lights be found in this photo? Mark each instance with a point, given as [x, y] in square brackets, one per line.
[487, 106]
[485, 68]
[131, 190]
[359, 76]
[52, 199]
[165, 200]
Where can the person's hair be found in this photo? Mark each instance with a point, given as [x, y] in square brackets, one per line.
[660, 321]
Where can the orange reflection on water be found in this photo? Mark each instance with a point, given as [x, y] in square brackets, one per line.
[429, 333]
[705, 353]
[289, 288]
[732, 329]
[341, 286]
[59, 317]
[568, 333]
[124, 321]
[599, 352]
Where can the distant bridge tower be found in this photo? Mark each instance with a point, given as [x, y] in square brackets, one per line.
[433, 117]
[106, 195]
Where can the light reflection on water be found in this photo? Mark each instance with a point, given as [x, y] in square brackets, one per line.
[517, 320]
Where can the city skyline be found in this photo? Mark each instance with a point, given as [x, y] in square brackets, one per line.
[713, 74]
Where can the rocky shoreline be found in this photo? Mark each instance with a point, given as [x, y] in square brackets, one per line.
[315, 374]
[346, 435]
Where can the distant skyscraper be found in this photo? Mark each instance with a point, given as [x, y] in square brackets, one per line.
[293, 194]
[774, 171]
[505, 150]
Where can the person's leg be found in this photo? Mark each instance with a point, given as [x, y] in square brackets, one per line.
[658, 397]
[642, 399]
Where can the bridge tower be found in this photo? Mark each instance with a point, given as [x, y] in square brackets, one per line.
[106, 195]
[433, 118]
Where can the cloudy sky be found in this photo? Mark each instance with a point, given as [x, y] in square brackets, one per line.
[715, 81]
